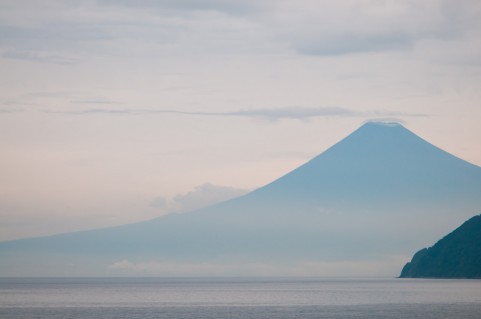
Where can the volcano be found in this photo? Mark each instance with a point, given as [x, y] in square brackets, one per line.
[362, 207]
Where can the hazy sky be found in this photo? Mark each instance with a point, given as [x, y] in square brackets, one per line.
[120, 111]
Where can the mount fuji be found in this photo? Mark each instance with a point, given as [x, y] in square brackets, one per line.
[362, 207]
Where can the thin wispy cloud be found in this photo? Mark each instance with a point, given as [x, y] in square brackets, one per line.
[40, 57]
[10, 110]
[353, 43]
[226, 6]
[271, 114]
[94, 101]
[34, 101]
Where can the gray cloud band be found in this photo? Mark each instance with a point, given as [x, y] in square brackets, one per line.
[297, 113]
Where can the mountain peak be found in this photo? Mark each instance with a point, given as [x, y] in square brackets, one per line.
[382, 161]
[380, 126]
[383, 123]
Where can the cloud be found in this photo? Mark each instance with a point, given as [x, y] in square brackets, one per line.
[202, 196]
[192, 27]
[332, 28]
[159, 202]
[303, 113]
[54, 36]
[123, 29]
[273, 114]
[206, 195]
[298, 113]
[354, 43]
[226, 6]
[94, 101]
[35, 100]
[38, 57]
[10, 110]
[386, 121]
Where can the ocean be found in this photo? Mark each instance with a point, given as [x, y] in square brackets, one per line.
[235, 298]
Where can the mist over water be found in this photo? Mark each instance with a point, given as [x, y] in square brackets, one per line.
[239, 298]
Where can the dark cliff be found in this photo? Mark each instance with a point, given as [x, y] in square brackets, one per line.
[458, 255]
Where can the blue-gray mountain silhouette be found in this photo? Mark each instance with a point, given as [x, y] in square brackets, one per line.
[457, 255]
[372, 196]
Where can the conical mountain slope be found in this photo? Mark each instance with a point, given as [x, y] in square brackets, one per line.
[364, 204]
[380, 161]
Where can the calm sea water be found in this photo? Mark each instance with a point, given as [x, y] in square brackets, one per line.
[238, 298]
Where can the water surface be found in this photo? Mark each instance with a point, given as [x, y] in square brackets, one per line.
[238, 298]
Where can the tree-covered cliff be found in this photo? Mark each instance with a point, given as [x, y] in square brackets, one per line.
[458, 255]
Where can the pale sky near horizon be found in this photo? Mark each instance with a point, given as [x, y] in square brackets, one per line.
[120, 111]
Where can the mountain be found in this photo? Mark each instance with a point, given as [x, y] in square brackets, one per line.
[458, 255]
[359, 208]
